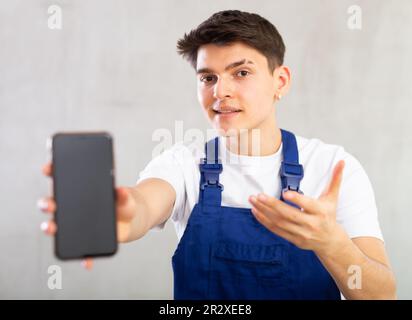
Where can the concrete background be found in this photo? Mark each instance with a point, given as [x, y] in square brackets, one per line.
[113, 66]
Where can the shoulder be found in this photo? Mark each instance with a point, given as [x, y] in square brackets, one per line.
[314, 151]
[173, 163]
[180, 153]
[356, 209]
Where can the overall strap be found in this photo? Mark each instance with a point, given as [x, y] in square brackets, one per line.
[210, 193]
[291, 172]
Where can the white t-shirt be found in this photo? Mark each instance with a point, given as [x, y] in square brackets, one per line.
[243, 176]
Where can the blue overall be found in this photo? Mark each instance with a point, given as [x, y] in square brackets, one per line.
[225, 253]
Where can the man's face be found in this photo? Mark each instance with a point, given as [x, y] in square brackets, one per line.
[235, 87]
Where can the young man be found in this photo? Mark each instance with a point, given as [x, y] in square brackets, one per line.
[246, 229]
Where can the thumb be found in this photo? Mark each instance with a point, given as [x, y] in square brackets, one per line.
[332, 189]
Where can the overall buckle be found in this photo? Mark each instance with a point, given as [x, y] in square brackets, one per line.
[292, 174]
[211, 173]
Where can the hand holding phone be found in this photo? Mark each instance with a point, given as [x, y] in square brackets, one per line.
[87, 222]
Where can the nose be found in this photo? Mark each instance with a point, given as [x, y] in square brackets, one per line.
[222, 89]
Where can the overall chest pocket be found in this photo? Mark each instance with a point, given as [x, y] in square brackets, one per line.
[248, 271]
[250, 260]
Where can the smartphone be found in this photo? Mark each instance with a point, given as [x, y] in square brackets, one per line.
[84, 191]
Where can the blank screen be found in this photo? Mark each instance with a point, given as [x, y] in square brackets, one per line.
[84, 194]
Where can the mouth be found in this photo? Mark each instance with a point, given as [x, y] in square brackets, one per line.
[226, 111]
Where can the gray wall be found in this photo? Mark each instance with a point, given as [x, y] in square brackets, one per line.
[113, 66]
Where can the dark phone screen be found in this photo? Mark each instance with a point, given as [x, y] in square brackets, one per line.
[83, 183]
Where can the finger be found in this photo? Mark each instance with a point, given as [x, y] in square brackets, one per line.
[121, 195]
[308, 204]
[125, 208]
[49, 227]
[332, 189]
[46, 205]
[288, 225]
[87, 263]
[265, 221]
[123, 231]
[48, 169]
[274, 207]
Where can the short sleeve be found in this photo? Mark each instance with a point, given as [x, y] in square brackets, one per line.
[167, 167]
[357, 211]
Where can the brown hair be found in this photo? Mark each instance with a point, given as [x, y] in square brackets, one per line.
[227, 27]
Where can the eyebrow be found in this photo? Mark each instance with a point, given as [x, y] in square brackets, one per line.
[228, 67]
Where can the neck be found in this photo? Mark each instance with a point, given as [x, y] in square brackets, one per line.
[255, 142]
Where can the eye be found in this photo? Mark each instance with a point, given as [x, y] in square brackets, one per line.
[242, 73]
[207, 78]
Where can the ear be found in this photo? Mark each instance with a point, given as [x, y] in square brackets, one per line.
[283, 78]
